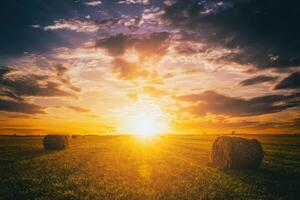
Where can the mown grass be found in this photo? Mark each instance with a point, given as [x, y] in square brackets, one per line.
[123, 167]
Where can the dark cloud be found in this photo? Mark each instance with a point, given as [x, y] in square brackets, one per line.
[214, 103]
[257, 80]
[290, 82]
[263, 33]
[294, 124]
[60, 70]
[79, 109]
[29, 86]
[16, 86]
[290, 126]
[20, 85]
[4, 70]
[21, 116]
[145, 45]
[20, 107]
[116, 45]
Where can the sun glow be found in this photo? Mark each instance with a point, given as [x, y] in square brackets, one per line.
[144, 119]
[145, 125]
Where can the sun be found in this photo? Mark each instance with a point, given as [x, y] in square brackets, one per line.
[143, 119]
[145, 125]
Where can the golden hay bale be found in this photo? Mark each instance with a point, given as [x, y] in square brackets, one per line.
[55, 142]
[236, 153]
[74, 136]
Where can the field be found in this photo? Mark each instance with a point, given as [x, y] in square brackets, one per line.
[124, 167]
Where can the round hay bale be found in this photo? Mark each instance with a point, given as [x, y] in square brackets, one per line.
[236, 153]
[74, 136]
[55, 142]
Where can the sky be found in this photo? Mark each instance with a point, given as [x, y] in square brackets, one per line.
[183, 66]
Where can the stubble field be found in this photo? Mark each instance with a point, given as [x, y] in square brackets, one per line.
[126, 167]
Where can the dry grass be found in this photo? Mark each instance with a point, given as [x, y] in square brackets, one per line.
[121, 167]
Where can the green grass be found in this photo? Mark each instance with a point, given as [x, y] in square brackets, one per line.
[123, 167]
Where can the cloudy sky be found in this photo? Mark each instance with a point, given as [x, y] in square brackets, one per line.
[190, 66]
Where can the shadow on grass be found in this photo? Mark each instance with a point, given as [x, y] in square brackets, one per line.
[277, 183]
[18, 178]
[17, 154]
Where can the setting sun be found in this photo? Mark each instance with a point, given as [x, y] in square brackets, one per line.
[143, 118]
[145, 126]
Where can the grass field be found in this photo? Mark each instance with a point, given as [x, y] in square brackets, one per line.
[124, 167]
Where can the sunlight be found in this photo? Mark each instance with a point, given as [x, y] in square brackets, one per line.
[144, 119]
[144, 125]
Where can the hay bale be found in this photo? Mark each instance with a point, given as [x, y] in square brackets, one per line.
[236, 153]
[74, 136]
[55, 142]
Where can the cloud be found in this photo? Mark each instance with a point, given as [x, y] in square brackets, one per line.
[153, 91]
[4, 70]
[116, 45]
[169, 2]
[92, 3]
[132, 23]
[149, 48]
[61, 73]
[294, 124]
[83, 25]
[241, 126]
[128, 70]
[219, 104]
[144, 2]
[257, 80]
[133, 96]
[79, 109]
[290, 125]
[22, 116]
[152, 16]
[19, 84]
[260, 32]
[190, 48]
[20, 107]
[151, 45]
[290, 82]
[16, 86]
[155, 45]
[149, 17]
